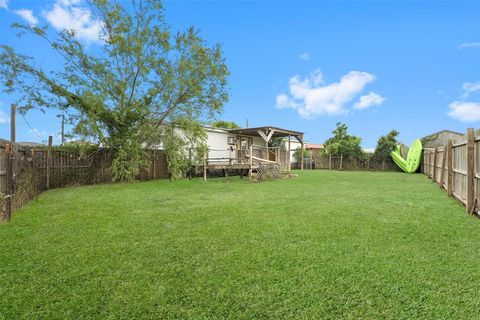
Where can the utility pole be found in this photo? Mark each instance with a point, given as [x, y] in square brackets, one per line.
[63, 126]
[13, 111]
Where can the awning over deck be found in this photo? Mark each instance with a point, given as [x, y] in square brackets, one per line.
[268, 132]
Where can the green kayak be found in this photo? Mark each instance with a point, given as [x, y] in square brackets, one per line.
[414, 157]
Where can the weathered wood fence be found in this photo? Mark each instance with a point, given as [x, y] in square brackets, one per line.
[24, 172]
[456, 168]
[346, 163]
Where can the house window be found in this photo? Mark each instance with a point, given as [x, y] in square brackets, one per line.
[243, 143]
[232, 140]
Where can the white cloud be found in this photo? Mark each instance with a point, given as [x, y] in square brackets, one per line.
[470, 87]
[371, 99]
[467, 45]
[4, 4]
[4, 118]
[27, 15]
[311, 97]
[305, 56]
[67, 14]
[465, 111]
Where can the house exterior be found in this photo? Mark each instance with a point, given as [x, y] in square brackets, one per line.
[440, 138]
[223, 144]
[228, 145]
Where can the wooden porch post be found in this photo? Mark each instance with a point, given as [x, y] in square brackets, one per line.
[250, 163]
[302, 157]
[289, 155]
[303, 149]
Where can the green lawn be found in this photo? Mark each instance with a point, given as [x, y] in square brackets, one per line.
[335, 245]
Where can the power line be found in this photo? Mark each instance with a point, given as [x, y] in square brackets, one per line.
[33, 130]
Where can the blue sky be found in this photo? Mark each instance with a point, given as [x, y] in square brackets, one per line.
[375, 65]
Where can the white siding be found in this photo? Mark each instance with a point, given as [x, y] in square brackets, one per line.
[294, 145]
[217, 141]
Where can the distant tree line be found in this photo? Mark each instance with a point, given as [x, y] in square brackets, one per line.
[347, 145]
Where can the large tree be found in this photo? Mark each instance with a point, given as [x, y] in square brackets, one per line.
[385, 145]
[140, 77]
[225, 124]
[342, 143]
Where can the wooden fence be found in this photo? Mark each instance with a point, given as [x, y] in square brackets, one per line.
[346, 163]
[456, 168]
[24, 172]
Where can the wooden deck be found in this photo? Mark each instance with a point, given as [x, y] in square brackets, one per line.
[226, 166]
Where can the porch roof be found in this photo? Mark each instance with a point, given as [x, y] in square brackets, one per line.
[274, 132]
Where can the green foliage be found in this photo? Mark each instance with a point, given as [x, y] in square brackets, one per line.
[278, 143]
[139, 76]
[128, 162]
[83, 147]
[298, 154]
[184, 142]
[342, 143]
[385, 145]
[225, 124]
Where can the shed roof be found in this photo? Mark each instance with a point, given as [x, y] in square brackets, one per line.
[444, 131]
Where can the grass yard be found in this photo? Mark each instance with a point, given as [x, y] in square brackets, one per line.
[335, 245]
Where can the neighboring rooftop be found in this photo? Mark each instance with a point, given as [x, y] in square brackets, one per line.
[29, 144]
[445, 132]
[313, 145]
[440, 138]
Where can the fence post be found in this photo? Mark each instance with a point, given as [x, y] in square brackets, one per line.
[450, 168]
[432, 155]
[341, 161]
[9, 183]
[426, 161]
[427, 167]
[34, 173]
[442, 172]
[434, 170]
[49, 161]
[330, 162]
[470, 171]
